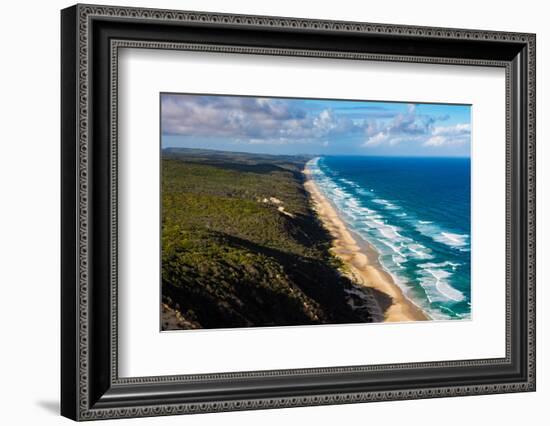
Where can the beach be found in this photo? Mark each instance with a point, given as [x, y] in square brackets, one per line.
[361, 259]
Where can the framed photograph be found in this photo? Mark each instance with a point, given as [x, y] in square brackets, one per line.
[263, 212]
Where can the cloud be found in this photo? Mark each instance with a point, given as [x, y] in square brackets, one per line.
[436, 141]
[449, 135]
[407, 126]
[249, 119]
[411, 127]
[225, 116]
[377, 139]
[456, 130]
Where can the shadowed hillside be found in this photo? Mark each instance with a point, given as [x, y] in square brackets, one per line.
[242, 248]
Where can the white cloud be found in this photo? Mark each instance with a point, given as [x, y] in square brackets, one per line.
[457, 129]
[411, 127]
[252, 120]
[376, 139]
[449, 135]
[403, 127]
[436, 141]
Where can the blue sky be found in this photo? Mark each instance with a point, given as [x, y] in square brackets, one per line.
[314, 126]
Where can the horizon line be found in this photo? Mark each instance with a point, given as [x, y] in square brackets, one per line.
[304, 154]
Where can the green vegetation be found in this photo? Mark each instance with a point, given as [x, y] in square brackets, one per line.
[241, 246]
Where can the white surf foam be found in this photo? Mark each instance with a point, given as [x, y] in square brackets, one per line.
[387, 204]
[453, 240]
[436, 276]
[440, 235]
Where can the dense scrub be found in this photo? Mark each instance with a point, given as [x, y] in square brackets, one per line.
[241, 246]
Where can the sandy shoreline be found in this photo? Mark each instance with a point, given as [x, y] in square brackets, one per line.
[362, 262]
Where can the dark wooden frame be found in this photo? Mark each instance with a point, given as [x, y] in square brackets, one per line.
[91, 37]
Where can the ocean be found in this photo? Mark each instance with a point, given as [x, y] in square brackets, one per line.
[416, 213]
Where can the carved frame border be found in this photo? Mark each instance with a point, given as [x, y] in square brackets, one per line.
[87, 12]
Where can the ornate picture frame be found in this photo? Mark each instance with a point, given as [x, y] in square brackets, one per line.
[91, 37]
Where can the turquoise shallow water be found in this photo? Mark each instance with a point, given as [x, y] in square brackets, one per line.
[416, 213]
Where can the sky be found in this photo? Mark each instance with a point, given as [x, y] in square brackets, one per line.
[314, 126]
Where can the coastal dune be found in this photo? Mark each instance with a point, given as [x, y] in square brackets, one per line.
[361, 260]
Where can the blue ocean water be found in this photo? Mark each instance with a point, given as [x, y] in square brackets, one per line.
[416, 213]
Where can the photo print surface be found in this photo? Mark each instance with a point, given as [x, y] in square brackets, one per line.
[290, 211]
